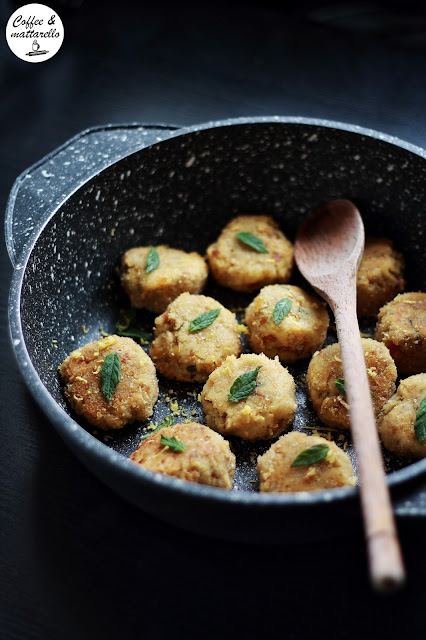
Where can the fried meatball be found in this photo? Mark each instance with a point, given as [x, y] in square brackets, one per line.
[277, 474]
[264, 413]
[237, 266]
[401, 326]
[326, 367]
[298, 335]
[207, 458]
[380, 276]
[134, 396]
[191, 357]
[396, 421]
[177, 272]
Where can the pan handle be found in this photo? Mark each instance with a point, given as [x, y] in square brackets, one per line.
[40, 190]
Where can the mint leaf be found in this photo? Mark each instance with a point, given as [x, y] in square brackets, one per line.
[125, 319]
[153, 260]
[252, 241]
[134, 333]
[173, 443]
[340, 385]
[203, 320]
[281, 310]
[310, 456]
[124, 329]
[167, 422]
[420, 423]
[243, 386]
[110, 375]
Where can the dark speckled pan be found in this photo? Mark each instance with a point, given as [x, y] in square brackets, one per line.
[72, 216]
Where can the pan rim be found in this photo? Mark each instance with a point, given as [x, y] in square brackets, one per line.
[69, 428]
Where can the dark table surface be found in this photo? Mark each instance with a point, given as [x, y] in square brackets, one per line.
[77, 561]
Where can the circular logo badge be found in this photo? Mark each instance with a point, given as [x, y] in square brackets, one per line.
[34, 33]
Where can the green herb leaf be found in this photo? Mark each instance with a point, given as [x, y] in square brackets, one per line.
[312, 455]
[123, 327]
[252, 241]
[167, 422]
[110, 375]
[282, 309]
[173, 443]
[135, 333]
[153, 260]
[340, 385]
[420, 423]
[125, 319]
[203, 320]
[243, 386]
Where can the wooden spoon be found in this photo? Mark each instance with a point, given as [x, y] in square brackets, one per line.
[328, 251]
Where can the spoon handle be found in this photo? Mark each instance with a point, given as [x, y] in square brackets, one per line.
[386, 565]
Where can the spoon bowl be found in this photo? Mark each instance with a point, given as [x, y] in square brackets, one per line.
[330, 239]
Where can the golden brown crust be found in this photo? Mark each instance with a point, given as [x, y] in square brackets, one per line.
[396, 421]
[206, 460]
[134, 396]
[276, 473]
[178, 272]
[237, 266]
[265, 413]
[191, 357]
[401, 326]
[298, 335]
[326, 367]
[380, 276]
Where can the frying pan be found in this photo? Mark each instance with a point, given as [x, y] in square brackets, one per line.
[70, 218]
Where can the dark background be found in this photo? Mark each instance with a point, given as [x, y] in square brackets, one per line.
[76, 561]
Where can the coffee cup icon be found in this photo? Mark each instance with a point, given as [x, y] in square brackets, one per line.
[35, 50]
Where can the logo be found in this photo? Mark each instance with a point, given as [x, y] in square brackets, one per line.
[34, 33]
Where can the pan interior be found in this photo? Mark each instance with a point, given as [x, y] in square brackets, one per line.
[181, 192]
